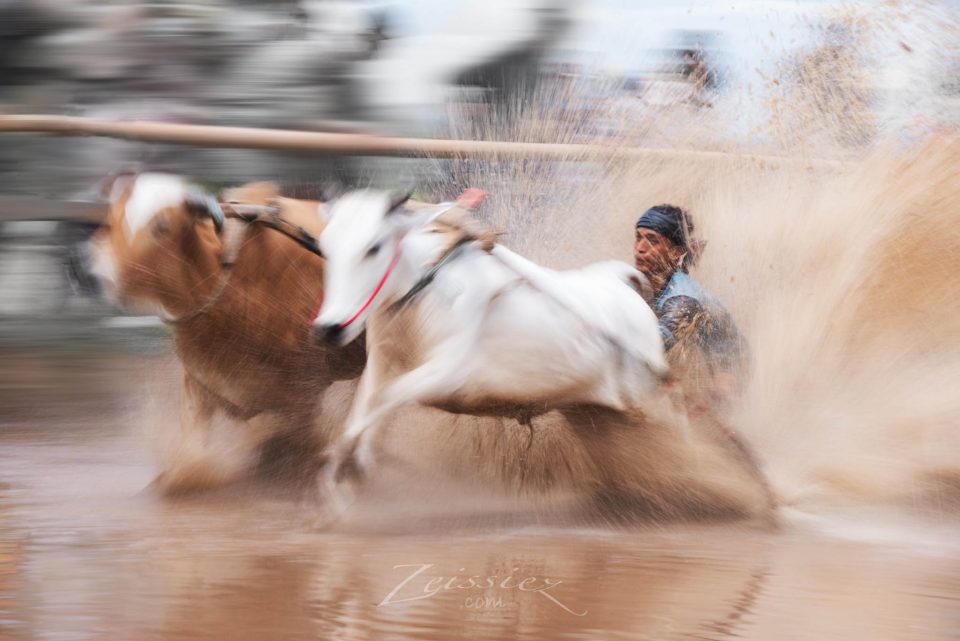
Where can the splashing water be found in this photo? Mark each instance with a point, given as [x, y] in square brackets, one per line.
[838, 261]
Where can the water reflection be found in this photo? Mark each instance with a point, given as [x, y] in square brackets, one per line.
[85, 553]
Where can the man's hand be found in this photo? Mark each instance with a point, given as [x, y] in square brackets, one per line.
[472, 198]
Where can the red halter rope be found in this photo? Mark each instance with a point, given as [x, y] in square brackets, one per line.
[383, 281]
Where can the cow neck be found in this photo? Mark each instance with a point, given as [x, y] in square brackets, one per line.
[210, 289]
[417, 253]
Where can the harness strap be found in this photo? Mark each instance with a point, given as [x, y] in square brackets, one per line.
[296, 233]
[272, 219]
[232, 236]
[469, 236]
[429, 277]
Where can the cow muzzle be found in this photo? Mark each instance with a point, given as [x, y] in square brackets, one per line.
[330, 333]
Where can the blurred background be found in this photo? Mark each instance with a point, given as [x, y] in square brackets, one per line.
[769, 76]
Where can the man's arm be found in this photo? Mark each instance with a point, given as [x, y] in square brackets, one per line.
[677, 317]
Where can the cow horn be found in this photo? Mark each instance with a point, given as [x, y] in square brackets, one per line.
[208, 205]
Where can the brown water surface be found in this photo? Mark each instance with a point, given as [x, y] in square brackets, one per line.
[87, 553]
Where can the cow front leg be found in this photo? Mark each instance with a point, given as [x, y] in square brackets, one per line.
[209, 450]
[433, 381]
[444, 372]
[334, 495]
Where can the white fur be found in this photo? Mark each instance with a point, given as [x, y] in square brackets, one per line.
[152, 193]
[493, 328]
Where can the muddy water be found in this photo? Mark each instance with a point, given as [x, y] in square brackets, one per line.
[87, 553]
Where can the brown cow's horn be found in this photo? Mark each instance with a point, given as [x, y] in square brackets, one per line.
[207, 205]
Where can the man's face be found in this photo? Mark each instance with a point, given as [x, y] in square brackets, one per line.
[654, 254]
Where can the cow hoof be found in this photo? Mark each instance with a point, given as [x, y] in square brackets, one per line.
[174, 484]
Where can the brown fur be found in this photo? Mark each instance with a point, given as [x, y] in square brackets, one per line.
[248, 359]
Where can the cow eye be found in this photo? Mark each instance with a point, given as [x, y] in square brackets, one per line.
[374, 250]
[160, 225]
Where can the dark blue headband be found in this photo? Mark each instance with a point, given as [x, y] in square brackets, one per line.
[671, 222]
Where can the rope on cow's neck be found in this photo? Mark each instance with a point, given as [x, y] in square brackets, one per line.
[383, 281]
[211, 301]
[232, 409]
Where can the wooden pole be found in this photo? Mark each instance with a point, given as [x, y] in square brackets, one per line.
[361, 144]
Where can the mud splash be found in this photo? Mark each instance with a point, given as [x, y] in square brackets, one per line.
[836, 253]
[84, 553]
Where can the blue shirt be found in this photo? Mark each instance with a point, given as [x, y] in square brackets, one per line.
[682, 284]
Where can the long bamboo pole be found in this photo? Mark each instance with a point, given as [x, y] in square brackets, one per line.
[360, 144]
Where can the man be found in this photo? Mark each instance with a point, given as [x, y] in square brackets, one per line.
[689, 317]
[702, 341]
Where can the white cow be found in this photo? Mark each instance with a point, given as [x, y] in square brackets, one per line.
[474, 331]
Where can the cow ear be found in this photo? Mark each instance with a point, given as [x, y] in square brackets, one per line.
[114, 186]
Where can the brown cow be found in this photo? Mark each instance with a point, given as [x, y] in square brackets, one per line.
[239, 298]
